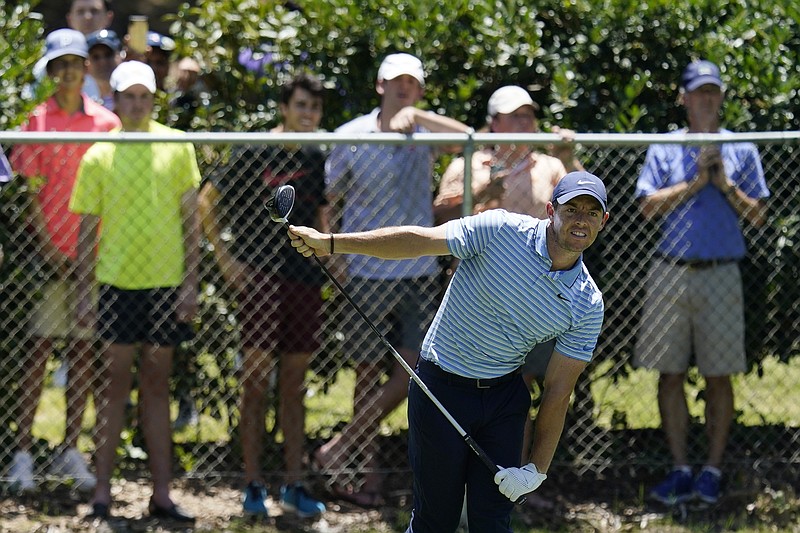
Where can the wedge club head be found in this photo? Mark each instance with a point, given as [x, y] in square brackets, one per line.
[280, 204]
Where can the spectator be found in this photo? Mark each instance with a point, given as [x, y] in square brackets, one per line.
[159, 51]
[51, 170]
[379, 185]
[473, 350]
[85, 16]
[88, 16]
[516, 178]
[147, 260]
[188, 94]
[279, 292]
[104, 49]
[694, 293]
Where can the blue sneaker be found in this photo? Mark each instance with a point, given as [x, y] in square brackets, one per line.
[295, 498]
[676, 488]
[255, 495]
[706, 486]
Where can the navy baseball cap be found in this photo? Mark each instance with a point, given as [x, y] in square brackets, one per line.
[156, 40]
[698, 73]
[65, 42]
[107, 38]
[579, 183]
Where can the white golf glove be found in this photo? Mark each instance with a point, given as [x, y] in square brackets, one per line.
[514, 482]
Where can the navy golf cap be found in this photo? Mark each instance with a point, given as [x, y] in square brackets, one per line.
[578, 183]
[108, 38]
[156, 40]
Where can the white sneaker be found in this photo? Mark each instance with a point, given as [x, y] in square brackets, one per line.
[70, 464]
[20, 473]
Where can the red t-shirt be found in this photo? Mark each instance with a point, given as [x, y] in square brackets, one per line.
[52, 167]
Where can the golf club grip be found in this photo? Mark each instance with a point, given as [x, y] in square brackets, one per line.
[493, 468]
[482, 454]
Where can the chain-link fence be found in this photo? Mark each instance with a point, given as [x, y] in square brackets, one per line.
[613, 424]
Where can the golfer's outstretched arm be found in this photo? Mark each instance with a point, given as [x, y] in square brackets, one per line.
[399, 242]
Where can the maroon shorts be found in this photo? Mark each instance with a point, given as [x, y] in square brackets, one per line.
[280, 316]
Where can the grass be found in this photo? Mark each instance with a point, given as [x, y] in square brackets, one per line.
[759, 400]
[324, 410]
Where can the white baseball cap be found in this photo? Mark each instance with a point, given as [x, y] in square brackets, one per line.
[508, 99]
[395, 65]
[130, 73]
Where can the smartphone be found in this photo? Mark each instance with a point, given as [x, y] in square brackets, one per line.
[137, 33]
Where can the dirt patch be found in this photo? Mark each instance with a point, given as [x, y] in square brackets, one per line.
[217, 506]
[572, 503]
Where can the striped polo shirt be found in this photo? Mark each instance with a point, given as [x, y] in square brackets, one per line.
[504, 299]
[382, 185]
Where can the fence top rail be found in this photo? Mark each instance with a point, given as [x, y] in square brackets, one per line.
[603, 139]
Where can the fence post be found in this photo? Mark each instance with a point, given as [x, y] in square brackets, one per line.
[469, 150]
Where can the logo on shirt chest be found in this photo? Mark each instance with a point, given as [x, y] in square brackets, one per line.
[275, 179]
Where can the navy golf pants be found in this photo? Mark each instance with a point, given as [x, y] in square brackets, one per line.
[442, 462]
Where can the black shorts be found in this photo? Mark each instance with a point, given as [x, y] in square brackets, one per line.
[134, 316]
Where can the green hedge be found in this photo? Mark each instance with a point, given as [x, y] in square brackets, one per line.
[593, 66]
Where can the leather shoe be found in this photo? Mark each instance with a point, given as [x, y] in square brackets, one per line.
[170, 513]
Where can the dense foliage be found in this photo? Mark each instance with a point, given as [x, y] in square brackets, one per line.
[608, 66]
[593, 66]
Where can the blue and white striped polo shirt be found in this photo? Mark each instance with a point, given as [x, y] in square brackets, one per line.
[503, 299]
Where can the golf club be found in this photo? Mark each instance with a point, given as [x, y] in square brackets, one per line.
[279, 206]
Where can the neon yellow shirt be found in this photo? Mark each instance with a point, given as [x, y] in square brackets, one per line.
[136, 189]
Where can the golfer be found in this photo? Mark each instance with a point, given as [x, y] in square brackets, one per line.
[521, 281]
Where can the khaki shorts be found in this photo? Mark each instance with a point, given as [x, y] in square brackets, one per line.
[689, 311]
[54, 315]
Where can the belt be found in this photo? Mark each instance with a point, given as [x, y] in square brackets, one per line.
[427, 367]
[695, 264]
